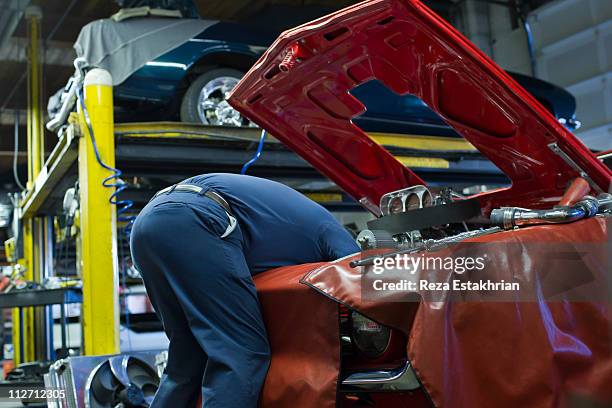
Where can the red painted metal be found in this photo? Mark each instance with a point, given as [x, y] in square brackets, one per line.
[403, 44]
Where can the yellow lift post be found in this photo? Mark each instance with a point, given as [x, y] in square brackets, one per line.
[96, 245]
[36, 152]
[97, 260]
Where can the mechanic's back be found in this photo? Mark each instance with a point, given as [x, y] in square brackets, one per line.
[280, 226]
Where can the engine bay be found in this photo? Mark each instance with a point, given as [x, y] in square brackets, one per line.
[419, 218]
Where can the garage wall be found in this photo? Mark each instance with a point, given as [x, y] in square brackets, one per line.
[511, 53]
[573, 41]
[573, 45]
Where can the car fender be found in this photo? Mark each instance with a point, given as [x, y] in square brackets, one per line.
[165, 78]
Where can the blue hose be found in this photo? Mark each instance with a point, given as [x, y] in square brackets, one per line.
[248, 164]
[112, 181]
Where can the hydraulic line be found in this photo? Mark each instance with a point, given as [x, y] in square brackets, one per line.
[114, 180]
[248, 164]
[510, 217]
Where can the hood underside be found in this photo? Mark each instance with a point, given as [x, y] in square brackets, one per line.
[300, 91]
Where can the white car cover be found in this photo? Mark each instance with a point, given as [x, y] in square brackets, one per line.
[126, 46]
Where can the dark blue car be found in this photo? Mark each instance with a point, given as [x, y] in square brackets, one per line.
[190, 83]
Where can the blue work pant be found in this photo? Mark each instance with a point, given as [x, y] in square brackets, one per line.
[203, 292]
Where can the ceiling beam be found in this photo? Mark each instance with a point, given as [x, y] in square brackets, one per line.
[10, 153]
[7, 116]
[55, 53]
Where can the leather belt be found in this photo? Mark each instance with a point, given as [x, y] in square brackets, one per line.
[209, 194]
[198, 190]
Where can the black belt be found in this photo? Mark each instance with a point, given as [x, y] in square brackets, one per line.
[198, 190]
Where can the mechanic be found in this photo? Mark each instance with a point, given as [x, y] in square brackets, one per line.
[197, 245]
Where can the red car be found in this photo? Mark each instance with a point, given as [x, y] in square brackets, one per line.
[335, 345]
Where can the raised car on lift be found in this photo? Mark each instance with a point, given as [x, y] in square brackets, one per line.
[190, 82]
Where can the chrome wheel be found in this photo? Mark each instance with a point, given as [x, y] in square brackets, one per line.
[213, 108]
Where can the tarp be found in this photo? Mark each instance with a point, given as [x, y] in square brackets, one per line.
[522, 353]
[304, 339]
[126, 46]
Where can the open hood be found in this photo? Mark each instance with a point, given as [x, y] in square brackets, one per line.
[299, 91]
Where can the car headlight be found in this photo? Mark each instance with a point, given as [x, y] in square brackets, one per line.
[370, 338]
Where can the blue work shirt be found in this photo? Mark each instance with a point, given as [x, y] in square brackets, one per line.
[280, 226]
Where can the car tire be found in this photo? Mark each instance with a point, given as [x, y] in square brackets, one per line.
[190, 103]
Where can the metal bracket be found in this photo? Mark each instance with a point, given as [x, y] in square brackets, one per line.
[559, 152]
[370, 206]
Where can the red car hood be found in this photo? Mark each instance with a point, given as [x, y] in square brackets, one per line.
[299, 91]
